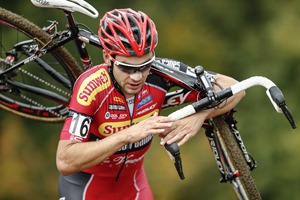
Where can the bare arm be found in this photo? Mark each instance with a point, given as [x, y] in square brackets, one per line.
[74, 156]
[225, 82]
[184, 129]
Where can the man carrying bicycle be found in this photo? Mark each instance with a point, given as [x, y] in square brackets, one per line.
[114, 113]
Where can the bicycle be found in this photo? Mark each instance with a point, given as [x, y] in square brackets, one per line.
[37, 57]
[232, 158]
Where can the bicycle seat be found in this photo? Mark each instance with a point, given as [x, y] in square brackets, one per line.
[68, 5]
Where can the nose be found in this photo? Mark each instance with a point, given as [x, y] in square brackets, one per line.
[137, 75]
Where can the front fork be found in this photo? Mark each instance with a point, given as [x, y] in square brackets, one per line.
[227, 172]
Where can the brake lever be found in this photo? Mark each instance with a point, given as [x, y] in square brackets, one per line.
[288, 114]
[173, 149]
[174, 152]
[279, 103]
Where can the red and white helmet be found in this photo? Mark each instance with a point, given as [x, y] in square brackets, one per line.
[127, 32]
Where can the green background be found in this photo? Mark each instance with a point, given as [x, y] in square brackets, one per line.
[235, 37]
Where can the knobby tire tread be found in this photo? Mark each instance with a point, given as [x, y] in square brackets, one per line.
[246, 179]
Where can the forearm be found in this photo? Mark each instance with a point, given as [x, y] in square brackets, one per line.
[231, 102]
[186, 128]
[75, 156]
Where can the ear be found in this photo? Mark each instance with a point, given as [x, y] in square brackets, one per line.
[106, 58]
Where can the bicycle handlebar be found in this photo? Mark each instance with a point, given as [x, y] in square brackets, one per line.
[215, 98]
[273, 92]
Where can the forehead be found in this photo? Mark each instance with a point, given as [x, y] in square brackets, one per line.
[134, 59]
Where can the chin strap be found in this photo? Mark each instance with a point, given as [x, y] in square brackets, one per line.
[111, 74]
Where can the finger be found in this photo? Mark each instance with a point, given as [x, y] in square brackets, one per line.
[164, 119]
[157, 131]
[170, 132]
[166, 132]
[170, 138]
[184, 139]
[155, 127]
[155, 114]
[165, 125]
[161, 118]
[176, 138]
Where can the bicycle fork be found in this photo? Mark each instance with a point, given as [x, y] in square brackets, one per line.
[227, 173]
[219, 150]
[225, 166]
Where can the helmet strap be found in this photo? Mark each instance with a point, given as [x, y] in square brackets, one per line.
[111, 73]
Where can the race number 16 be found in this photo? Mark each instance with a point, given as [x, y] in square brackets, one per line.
[80, 125]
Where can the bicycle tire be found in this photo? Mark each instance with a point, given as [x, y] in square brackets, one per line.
[60, 61]
[238, 159]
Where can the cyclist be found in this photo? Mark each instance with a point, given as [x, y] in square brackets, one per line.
[114, 113]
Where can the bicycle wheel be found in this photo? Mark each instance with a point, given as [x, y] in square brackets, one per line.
[40, 89]
[245, 179]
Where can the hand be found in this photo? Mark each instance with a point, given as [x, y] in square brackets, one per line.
[153, 125]
[184, 129]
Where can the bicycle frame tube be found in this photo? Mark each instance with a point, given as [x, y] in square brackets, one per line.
[186, 83]
[79, 41]
[223, 161]
[175, 98]
[210, 133]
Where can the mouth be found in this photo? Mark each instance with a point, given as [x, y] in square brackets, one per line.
[134, 86]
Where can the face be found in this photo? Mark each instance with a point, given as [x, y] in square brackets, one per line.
[130, 78]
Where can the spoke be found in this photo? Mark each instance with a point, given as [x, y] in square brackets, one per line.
[45, 82]
[40, 105]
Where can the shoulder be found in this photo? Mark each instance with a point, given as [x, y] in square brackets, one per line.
[95, 77]
[90, 86]
[96, 71]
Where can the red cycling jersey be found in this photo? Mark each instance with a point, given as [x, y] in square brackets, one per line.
[97, 110]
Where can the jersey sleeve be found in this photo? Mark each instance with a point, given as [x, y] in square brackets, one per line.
[87, 89]
[84, 102]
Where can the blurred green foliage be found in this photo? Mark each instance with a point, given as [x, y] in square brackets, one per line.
[235, 37]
